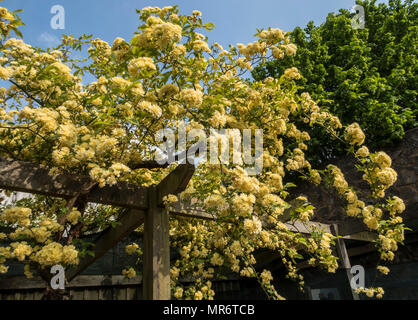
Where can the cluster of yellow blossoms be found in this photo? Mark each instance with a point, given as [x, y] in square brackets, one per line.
[252, 226]
[55, 253]
[383, 270]
[131, 248]
[16, 215]
[6, 15]
[49, 255]
[129, 273]
[354, 134]
[74, 216]
[140, 63]
[170, 199]
[191, 97]
[370, 292]
[20, 250]
[292, 73]
[242, 204]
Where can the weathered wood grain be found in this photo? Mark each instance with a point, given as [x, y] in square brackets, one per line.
[156, 251]
[307, 227]
[91, 294]
[132, 293]
[190, 209]
[351, 227]
[21, 282]
[156, 234]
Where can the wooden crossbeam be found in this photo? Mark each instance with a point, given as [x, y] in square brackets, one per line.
[306, 227]
[34, 178]
[84, 281]
[190, 209]
[351, 230]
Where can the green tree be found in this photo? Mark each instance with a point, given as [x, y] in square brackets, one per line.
[362, 75]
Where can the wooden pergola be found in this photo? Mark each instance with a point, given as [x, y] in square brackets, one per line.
[143, 206]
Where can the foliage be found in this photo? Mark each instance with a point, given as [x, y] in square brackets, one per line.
[365, 75]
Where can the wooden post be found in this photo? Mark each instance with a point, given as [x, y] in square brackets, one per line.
[156, 273]
[345, 260]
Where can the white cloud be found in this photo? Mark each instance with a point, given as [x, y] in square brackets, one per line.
[49, 39]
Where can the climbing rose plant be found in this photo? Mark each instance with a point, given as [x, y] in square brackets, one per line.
[167, 73]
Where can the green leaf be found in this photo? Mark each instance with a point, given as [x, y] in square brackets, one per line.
[209, 26]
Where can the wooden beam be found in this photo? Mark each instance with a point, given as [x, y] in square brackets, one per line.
[156, 272]
[108, 239]
[190, 209]
[307, 227]
[175, 182]
[83, 281]
[357, 251]
[34, 178]
[345, 260]
[104, 281]
[147, 164]
[362, 236]
[351, 227]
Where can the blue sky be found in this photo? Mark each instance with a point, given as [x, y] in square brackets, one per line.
[236, 20]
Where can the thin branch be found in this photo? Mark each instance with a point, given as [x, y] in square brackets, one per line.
[27, 93]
